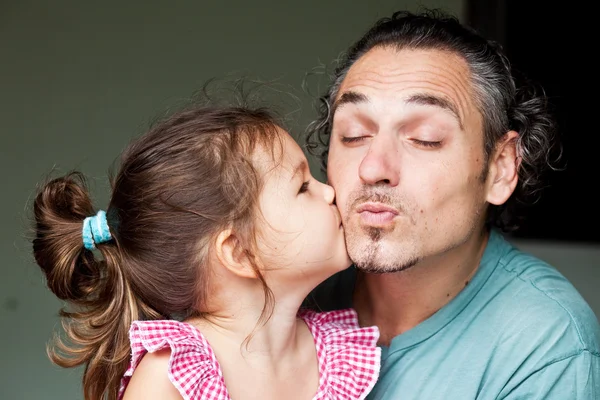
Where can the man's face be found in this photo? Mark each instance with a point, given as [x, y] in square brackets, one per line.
[406, 157]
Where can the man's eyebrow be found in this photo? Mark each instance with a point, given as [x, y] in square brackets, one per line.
[349, 97]
[428, 99]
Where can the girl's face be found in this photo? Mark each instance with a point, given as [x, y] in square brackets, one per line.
[301, 238]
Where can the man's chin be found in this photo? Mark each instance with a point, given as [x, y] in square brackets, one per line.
[374, 260]
[370, 269]
[379, 269]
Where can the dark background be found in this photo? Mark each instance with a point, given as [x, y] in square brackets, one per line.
[554, 46]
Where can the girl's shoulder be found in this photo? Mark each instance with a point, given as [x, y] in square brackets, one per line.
[150, 379]
[192, 365]
[345, 317]
[347, 353]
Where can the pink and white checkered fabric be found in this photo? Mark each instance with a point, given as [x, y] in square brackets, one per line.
[348, 356]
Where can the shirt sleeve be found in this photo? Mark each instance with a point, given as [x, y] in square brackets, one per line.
[574, 378]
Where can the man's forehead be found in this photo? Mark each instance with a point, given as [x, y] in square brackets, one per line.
[416, 76]
[388, 61]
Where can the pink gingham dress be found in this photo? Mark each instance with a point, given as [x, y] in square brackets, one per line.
[348, 356]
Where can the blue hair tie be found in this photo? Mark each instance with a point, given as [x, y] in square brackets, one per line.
[95, 230]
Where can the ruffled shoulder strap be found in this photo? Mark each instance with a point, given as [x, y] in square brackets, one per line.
[193, 367]
[349, 359]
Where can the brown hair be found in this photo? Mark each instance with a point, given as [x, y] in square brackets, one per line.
[178, 185]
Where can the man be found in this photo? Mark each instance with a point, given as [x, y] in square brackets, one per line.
[431, 146]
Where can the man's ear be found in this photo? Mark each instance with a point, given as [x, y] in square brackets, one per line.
[232, 255]
[503, 171]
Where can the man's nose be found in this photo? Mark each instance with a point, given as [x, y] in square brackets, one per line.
[380, 166]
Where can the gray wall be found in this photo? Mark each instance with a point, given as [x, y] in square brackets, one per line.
[77, 81]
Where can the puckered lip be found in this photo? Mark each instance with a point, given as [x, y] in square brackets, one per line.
[374, 207]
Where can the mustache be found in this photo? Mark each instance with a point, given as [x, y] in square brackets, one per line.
[376, 195]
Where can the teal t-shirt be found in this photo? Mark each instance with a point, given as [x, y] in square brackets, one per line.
[519, 330]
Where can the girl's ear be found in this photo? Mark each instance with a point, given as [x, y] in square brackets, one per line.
[232, 255]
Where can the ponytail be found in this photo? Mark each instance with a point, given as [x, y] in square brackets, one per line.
[101, 304]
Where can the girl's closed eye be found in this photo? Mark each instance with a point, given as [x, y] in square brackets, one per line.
[303, 187]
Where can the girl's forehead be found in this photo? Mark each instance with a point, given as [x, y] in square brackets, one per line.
[282, 155]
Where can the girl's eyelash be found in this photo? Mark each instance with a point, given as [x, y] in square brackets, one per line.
[303, 188]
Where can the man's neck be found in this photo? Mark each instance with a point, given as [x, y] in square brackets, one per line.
[397, 302]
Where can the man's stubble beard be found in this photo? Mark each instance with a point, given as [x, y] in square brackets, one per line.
[366, 252]
[365, 245]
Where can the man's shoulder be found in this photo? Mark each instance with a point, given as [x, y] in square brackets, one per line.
[335, 293]
[545, 300]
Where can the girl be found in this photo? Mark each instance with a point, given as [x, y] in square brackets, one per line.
[190, 284]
